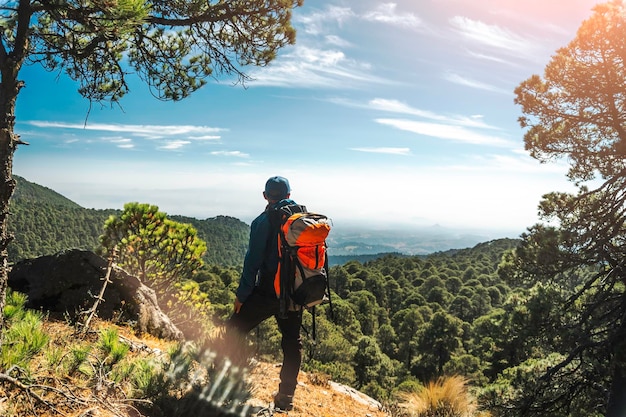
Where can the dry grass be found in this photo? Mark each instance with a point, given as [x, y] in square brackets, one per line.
[445, 397]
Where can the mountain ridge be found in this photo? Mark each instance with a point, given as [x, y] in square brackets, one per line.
[39, 212]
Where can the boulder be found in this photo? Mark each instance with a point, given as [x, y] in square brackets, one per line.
[68, 283]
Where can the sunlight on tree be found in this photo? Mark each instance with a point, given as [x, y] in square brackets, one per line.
[577, 112]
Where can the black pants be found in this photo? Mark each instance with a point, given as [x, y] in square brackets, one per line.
[256, 309]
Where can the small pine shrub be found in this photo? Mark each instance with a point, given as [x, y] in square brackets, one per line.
[54, 357]
[139, 378]
[14, 305]
[23, 339]
[113, 349]
[77, 359]
[148, 379]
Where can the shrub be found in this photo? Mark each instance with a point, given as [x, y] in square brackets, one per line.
[446, 397]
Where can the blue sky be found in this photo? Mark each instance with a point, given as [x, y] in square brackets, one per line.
[391, 113]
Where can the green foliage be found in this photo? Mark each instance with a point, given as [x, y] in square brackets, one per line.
[173, 47]
[113, 349]
[522, 386]
[226, 238]
[371, 365]
[216, 386]
[340, 371]
[14, 307]
[22, 340]
[54, 356]
[159, 251]
[566, 110]
[78, 358]
[146, 378]
[187, 42]
[184, 381]
[438, 341]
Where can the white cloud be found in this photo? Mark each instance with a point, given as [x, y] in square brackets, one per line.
[315, 23]
[444, 131]
[396, 106]
[205, 137]
[385, 150]
[468, 82]
[491, 58]
[121, 142]
[491, 35]
[308, 67]
[337, 41]
[387, 13]
[154, 131]
[237, 154]
[174, 144]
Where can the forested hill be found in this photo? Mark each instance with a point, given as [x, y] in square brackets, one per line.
[45, 222]
[29, 192]
[226, 238]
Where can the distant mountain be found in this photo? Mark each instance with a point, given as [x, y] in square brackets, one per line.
[226, 238]
[45, 222]
[29, 192]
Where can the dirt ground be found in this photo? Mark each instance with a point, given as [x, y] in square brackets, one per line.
[315, 396]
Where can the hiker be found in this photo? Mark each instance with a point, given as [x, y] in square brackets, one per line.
[256, 298]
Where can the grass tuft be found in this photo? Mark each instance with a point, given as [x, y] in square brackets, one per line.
[445, 397]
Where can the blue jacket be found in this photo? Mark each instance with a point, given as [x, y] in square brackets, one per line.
[261, 261]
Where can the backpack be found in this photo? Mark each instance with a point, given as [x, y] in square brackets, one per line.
[301, 280]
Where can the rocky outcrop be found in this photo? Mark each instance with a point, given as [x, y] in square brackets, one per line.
[68, 282]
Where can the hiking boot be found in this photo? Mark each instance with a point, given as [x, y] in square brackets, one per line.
[283, 402]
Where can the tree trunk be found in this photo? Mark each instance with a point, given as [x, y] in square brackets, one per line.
[7, 185]
[10, 65]
[9, 89]
[617, 397]
[616, 406]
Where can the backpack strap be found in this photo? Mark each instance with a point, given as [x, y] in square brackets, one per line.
[330, 301]
[313, 327]
[312, 309]
[286, 268]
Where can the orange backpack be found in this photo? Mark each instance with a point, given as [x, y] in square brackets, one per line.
[301, 280]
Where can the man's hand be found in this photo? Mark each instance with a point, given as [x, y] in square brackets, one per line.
[238, 305]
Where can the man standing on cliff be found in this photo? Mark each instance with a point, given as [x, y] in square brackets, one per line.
[256, 298]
